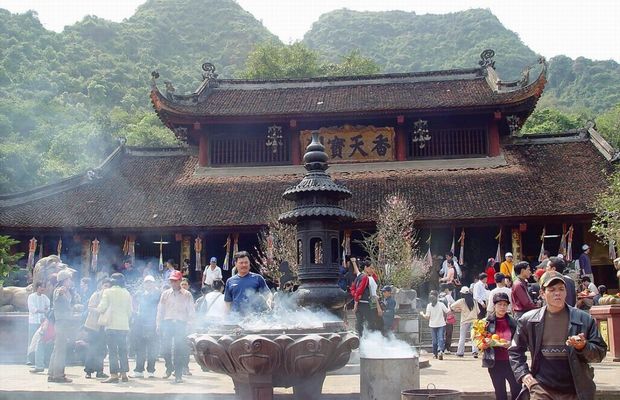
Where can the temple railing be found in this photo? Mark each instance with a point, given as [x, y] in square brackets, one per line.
[452, 143]
[239, 150]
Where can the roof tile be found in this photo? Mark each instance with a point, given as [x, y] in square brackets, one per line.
[162, 191]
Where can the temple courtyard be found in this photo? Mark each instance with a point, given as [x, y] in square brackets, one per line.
[464, 374]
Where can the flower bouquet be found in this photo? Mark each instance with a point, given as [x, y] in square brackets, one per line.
[482, 338]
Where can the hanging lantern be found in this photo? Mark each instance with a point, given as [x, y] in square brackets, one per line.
[274, 138]
[420, 134]
[514, 124]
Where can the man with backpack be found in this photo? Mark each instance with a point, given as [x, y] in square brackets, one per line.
[365, 297]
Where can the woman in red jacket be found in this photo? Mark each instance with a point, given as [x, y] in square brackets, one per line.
[490, 271]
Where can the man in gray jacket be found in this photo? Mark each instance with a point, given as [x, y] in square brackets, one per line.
[563, 341]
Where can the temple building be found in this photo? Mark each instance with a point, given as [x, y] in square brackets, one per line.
[448, 141]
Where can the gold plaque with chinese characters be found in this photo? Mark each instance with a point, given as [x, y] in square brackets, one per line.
[349, 143]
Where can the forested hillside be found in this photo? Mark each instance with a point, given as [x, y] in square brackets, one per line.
[402, 41]
[66, 97]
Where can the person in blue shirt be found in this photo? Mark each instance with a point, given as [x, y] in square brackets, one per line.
[246, 292]
[389, 309]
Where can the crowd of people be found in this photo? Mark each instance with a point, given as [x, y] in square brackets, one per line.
[538, 310]
[149, 319]
[529, 310]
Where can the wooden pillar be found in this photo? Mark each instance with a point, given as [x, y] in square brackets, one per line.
[494, 149]
[295, 145]
[401, 139]
[203, 150]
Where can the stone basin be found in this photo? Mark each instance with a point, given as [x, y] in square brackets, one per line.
[258, 361]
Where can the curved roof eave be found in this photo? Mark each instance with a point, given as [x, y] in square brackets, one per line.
[170, 111]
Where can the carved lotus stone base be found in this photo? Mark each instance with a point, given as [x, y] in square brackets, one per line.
[259, 362]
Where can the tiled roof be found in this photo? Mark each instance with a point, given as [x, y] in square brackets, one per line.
[430, 91]
[140, 191]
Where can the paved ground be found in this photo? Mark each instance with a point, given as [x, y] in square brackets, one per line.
[464, 374]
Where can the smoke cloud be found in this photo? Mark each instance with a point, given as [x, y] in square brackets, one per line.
[374, 345]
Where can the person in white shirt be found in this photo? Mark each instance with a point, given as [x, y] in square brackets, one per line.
[587, 284]
[436, 315]
[214, 307]
[501, 288]
[480, 292]
[212, 273]
[444, 266]
[468, 308]
[38, 306]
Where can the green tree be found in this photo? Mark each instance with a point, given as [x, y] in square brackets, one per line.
[8, 259]
[148, 132]
[274, 61]
[551, 121]
[606, 223]
[277, 61]
[608, 125]
[353, 63]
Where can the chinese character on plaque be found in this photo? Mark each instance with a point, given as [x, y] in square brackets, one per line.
[349, 143]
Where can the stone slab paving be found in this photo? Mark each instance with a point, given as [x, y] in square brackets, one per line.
[464, 374]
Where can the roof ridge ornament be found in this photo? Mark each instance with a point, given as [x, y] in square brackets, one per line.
[486, 59]
[209, 74]
[154, 77]
[514, 125]
[169, 90]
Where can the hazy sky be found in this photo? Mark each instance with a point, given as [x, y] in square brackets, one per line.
[589, 28]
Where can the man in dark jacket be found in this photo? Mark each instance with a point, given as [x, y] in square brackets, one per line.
[562, 341]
